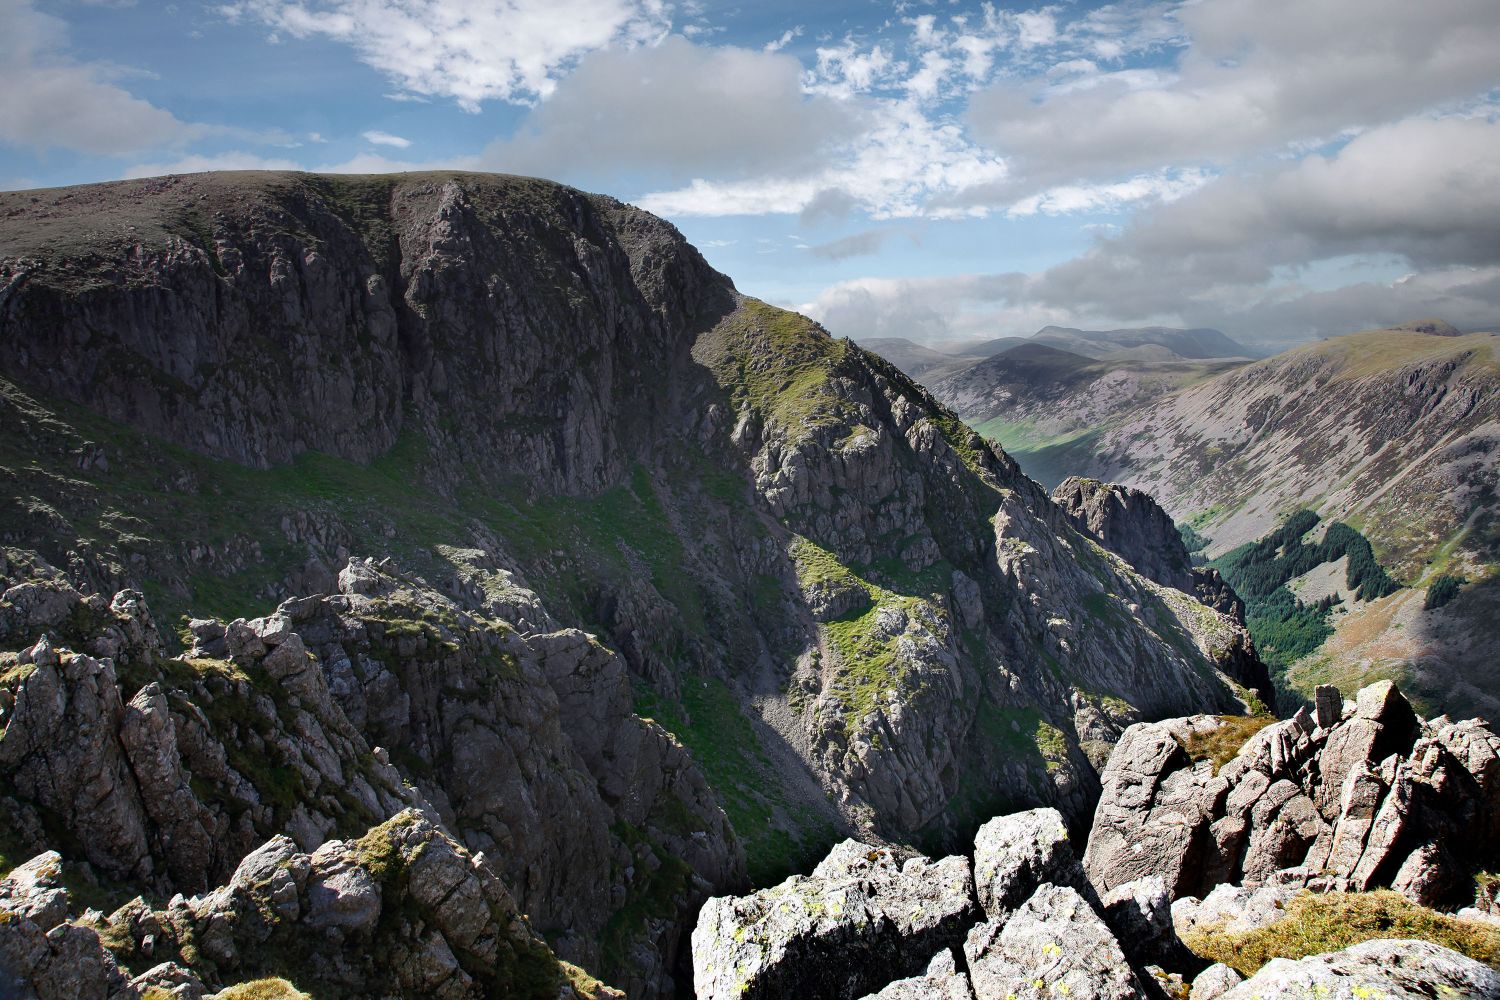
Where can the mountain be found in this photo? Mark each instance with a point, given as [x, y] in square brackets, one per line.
[1392, 433]
[912, 358]
[1036, 400]
[475, 519]
[1197, 344]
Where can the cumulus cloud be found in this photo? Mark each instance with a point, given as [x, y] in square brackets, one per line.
[363, 163]
[1256, 75]
[901, 160]
[679, 109]
[467, 50]
[52, 101]
[1236, 252]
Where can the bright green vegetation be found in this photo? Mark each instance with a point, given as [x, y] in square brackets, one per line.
[1221, 744]
[1317, 923]
[1284, 628]
[1442, 590]
[778, 362]
[780, 837]
[869, 664]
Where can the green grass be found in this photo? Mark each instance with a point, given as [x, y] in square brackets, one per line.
[1220, 745]
[779, 837]
[778, 362]
[1319, 923]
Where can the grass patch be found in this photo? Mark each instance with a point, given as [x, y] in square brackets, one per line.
[780, 838]
[264, 989]
[1318, 923]
[1221, 744]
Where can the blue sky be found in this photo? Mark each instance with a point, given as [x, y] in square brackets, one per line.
[1281, 169]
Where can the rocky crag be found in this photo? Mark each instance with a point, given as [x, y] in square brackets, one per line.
[1317, 810]
[822, 605]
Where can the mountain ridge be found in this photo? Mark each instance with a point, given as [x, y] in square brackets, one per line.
[548, 410]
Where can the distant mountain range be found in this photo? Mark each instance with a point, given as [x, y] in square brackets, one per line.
[1147, 343]
[1393, 432]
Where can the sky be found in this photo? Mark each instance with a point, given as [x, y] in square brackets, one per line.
[1281, 170]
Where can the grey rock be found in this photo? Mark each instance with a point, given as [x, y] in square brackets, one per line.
[1215, 981]
[1394, 969]
[1140, 915]
[1328, 705]
[1132, 525]
[1015, 854]
[941, 981]
[1054, 944]
[858, 922]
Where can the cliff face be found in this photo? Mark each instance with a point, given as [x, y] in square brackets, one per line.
[847, 610]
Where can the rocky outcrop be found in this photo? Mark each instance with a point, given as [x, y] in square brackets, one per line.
[862, 924]
[1133, 526]
[170, 771]
[851, 613]
[859, 921]
[1016, 853]
[403, 909]
[1399, 970]
[1054, 944]
[941, 981]
[1376, 798]
[1130, 524]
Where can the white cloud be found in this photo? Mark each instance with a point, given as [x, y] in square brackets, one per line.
[50, 100]
[380, 138]
[678, 109]
[194, 164]
[1160, 187]
[1238, 253]
[777, 44]
[362, 163]
[467, 50]
[891, 170]
[1258, 74]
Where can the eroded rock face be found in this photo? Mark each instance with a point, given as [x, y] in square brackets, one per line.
[859, 921]
[862, 925]
[941, 981]
[169, 772]
[403, 910]
[1399, 970]
[1130, 524]
[1378, 798]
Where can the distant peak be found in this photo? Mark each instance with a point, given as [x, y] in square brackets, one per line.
[1432, 327]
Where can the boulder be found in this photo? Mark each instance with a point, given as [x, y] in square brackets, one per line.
[1215, 981]
[1054, 945]
[1015, 854]
[859, 921]
[1389, 969]
[1140, 915]
[941, 981]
